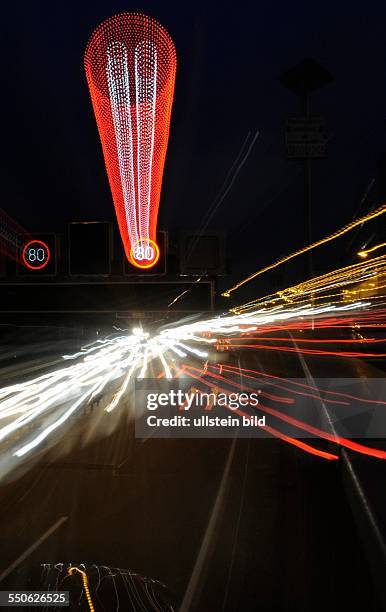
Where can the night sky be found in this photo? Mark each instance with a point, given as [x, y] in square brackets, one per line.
[229, 58]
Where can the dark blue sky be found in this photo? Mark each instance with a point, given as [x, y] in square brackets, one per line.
[229, 57]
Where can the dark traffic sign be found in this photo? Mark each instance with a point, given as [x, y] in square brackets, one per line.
[306, 137]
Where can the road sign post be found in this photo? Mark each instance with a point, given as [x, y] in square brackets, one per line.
[306, 136]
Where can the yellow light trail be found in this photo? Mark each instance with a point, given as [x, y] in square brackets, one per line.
[365, 252]
[37, 409]
[346, 228]
[73, 569]
[320, 287]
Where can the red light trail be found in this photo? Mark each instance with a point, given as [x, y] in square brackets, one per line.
[38, 409]
[302, 425]
[130, 64]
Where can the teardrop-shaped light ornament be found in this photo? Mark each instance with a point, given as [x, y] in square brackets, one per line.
[130, 64]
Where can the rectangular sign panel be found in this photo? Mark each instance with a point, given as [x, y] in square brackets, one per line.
[306, 138]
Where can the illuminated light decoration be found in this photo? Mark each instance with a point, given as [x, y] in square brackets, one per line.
[343, 230]
[130, 64]
[36, 254]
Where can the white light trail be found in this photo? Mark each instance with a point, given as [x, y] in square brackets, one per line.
[118, 79]
[145, 66]
[32, 411]
[134, 113]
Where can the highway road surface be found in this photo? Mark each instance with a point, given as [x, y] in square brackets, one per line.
[225, 525]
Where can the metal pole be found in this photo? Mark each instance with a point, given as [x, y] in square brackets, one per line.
[307, 203]
[307, 196]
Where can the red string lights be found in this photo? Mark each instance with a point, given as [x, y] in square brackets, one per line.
[130, 64]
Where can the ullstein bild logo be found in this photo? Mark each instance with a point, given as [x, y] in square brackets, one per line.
[179, 409]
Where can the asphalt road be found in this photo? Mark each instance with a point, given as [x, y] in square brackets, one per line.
[226, 525]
